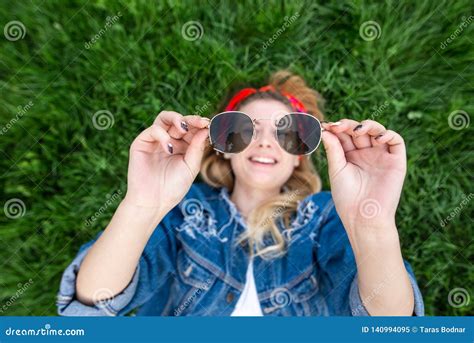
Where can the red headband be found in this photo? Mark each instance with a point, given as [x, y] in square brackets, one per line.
[246, 92]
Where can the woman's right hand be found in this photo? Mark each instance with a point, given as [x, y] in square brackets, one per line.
[165, 159]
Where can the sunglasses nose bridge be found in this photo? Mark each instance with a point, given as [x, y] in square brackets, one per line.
[264, 134]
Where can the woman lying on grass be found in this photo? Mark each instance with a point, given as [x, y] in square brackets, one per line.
[258, 236]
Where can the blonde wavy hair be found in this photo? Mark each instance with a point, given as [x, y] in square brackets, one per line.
[261, 221]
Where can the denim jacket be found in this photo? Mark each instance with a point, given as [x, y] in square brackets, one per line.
[192, 266]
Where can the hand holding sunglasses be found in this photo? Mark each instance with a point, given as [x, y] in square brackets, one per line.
[367, 167]
[297, 133]
[164, 160]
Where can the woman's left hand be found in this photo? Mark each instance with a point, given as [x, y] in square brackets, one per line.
[367, 166]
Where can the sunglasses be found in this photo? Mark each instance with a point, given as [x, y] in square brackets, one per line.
[297, 133]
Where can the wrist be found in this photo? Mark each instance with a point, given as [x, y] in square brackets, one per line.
[135, 203]
[377, 225]
[147, 217]
[380, 235]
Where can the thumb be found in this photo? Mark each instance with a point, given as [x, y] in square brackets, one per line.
[334, 152]
[195, 151]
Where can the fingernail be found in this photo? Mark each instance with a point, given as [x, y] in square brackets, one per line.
[170, 148]
[184, 125]
[379, 136]
[358, 127]
[336, 123]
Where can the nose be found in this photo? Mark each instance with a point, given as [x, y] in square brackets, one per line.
[265, 137]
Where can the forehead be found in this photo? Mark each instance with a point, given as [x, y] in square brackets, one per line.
[265, 108]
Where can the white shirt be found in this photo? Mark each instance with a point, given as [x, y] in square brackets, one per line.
[248, 303]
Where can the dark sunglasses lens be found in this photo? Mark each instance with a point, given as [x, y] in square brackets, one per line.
[298, 133]
[231, 132]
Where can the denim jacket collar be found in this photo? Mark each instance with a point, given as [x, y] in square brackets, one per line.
[304, 213]
[233, 211]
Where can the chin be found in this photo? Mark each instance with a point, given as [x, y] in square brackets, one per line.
[263, 181]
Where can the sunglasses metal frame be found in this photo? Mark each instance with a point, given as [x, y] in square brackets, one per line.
[275, 132]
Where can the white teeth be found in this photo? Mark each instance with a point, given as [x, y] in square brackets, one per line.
[263, 160]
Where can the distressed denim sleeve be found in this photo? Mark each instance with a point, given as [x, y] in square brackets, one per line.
[336, 260]
[358, 308]
[156, 265]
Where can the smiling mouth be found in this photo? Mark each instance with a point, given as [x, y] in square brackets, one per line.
[263, 161]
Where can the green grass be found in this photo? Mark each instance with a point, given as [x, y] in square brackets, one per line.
[63, 168]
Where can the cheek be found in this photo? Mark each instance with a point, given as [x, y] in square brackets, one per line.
[237, 163]
[287, 165]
